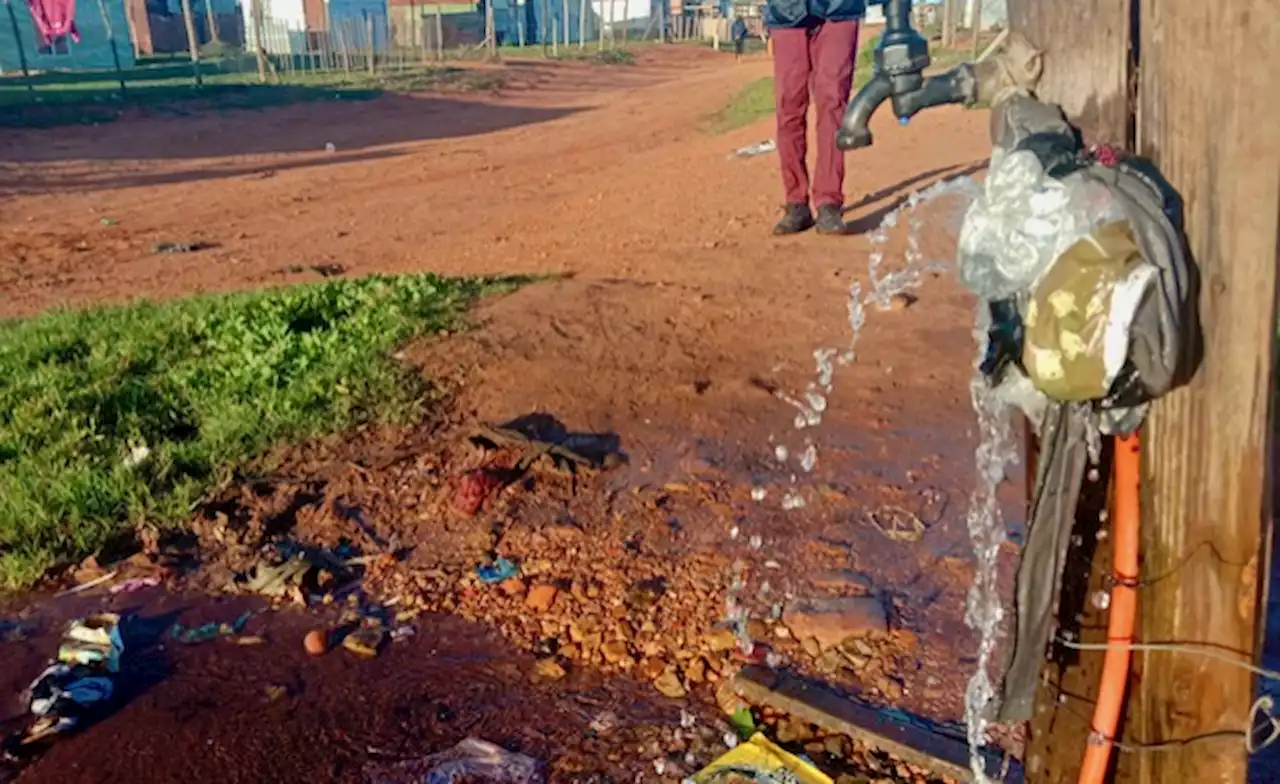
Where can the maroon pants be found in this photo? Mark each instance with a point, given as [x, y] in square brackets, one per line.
[817, 61]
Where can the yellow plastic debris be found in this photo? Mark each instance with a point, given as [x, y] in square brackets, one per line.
[759, 759]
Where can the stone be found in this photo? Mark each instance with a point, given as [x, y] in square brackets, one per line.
[541, 597]
[792, 730]
[811, 646]
[651, 668]
[513, 586]
[548, 669]
[668, 683]
[756, 629]
[720, 640]
[614, 652]
[833, 620]
[838, 746]
[696, 672]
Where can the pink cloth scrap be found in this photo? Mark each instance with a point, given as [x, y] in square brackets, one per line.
[54, 19]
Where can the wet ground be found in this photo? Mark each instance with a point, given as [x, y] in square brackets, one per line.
[674, 315]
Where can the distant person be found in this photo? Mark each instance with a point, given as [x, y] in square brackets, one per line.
[739, 35]
[815, 43]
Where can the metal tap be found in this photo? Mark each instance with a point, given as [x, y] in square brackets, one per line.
[900, 61]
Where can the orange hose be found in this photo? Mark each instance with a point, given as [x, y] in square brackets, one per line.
[1123, 610]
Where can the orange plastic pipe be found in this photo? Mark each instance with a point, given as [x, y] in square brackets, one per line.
[1123, 610]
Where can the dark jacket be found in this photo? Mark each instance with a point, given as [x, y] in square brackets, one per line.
[806, 13]
[739, 30]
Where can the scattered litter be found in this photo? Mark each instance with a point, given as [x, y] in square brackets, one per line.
[329, 270]
[183, 247]
[402, 633]
[275, 691]
[474, 488]
[760, 760]
[365, 641]
[108, 221]
[137, 454]
[82, 587]
[897, 523]
[305, 571]
[501, 569]
[566, 451]
[743, 723]
[316, 642]
[136, 584]
[251, 639]
[79, 683]
[330, 147]
[759, 148]
[470, 760]
[209, 631]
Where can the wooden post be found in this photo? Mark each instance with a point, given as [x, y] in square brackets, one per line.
[977, 29]
[344, 44]
[520, 23]
[22, 52]
[600, 24]
[1210, 127]
[211, 20]
[368, 41]
[193, 43]
[490, 30]
[564, 12]
[259, 47]
[542, 28]
[111, 39]
[415, 32]
[626, 20]
[662, 21]
[439, 33]
[552, 29]
[582, 25]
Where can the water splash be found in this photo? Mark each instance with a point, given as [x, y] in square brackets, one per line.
[811, 404]
[997, 449]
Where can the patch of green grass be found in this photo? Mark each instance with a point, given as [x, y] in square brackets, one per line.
[113, 416]
[751, 103]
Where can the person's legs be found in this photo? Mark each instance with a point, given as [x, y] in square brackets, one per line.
[791, 97]
[834, 50]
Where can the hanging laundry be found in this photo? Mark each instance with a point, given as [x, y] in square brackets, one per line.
[54, 19]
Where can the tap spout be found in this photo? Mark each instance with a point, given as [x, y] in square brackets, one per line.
[854, 132]
[959, 85]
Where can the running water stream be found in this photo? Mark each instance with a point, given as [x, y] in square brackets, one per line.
[997, 447]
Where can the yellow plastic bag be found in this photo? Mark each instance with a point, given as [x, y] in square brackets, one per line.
[1077, 321]
[759, 760]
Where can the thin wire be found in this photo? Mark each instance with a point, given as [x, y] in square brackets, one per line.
[1262, 706]
[1199, 649]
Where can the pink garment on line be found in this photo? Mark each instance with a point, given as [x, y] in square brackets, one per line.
[54, 19]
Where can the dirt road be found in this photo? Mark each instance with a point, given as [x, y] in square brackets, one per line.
[675, 311]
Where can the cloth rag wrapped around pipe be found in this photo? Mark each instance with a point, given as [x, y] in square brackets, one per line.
[1082, 266]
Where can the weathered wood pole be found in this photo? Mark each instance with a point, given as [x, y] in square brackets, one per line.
[1211, 129]
[193, 42]
[1138, 73]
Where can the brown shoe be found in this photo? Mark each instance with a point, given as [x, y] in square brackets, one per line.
[796, 218]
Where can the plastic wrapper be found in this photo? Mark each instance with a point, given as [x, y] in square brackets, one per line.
[472, 760]
[1024, 220]
[1077, 320]
[760, 761]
